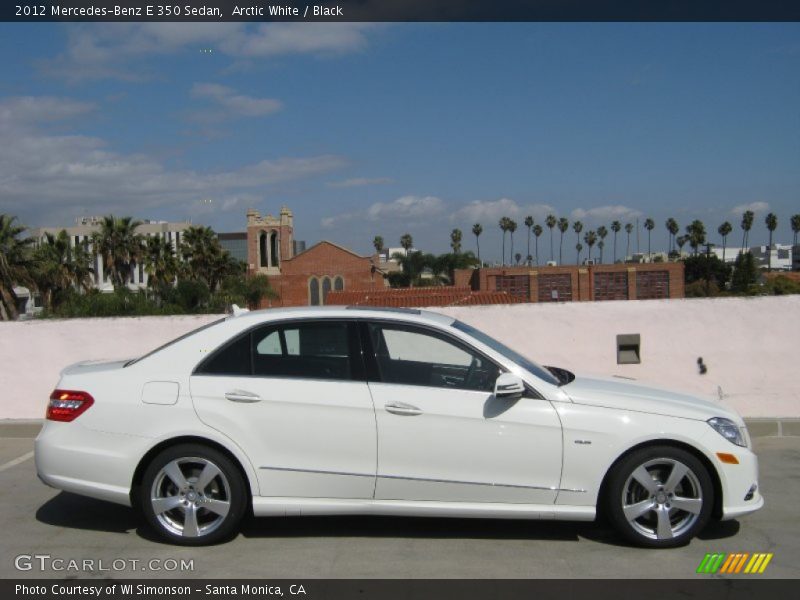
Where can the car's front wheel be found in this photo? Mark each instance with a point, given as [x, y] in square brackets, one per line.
[660, 497]
[193, 495]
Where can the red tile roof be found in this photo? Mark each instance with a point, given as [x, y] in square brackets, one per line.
[419, 297]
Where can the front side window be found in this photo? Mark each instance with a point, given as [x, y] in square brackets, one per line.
[412, 356]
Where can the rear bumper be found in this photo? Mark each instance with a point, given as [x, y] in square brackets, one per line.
[92, 463]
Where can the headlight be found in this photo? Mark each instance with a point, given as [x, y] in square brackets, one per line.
[729, 430]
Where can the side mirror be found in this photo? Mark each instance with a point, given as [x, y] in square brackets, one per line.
[508, 386]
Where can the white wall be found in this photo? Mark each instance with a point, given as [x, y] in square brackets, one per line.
[749, 345]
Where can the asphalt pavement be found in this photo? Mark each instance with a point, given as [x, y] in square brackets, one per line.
[47, 533]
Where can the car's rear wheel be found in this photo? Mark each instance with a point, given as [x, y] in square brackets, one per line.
[660, 497]
[193, 495]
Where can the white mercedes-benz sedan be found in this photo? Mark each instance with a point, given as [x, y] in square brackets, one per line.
[330, 411]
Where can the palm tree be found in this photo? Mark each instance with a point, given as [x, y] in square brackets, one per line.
[504, 223]
[517, 257]
[205, 259]
[563, 227]
[795, 222]
[477, 230]
[649, 224]
[59, 267]
[616, 226]
[406, 242]
[577, 226]
[578, 247]
[119, 247]
[696, 233]
[15, 264]
[590, 237]
[673, 228]
[724, 230]
[160, 263]
[455, 241]
[628, 230]
[747, 223]
[529, 224]
[681, 240]
[602, 232]
[771, 221]
[377, 243]
[550, 221]
[512, 227]
[537, 231]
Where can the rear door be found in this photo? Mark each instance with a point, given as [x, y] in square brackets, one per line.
[293, 395]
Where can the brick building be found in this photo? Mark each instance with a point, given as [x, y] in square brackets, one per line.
[445, 295]
[307, 277]
[640, 281]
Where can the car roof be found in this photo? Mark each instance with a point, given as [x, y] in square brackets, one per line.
[344, 312]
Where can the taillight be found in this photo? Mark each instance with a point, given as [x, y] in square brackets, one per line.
[67, 405]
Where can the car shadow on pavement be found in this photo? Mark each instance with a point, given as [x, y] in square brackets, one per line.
[78, 512]
[412, 527]
[71, 511]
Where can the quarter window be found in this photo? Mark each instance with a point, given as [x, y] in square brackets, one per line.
[411, 356]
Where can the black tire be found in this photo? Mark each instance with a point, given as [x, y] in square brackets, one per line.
[208, 505]
[671, 510]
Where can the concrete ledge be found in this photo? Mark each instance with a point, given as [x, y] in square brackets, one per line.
[29, 428]
[20, 428]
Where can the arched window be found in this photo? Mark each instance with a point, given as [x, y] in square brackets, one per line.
[326, 287]
[338, 283]
[273, 248]
[313, 291]
[262, 250]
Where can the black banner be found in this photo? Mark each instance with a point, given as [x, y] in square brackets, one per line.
[424, 589]
[402, 10]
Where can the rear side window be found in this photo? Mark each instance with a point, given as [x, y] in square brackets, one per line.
[312, 350]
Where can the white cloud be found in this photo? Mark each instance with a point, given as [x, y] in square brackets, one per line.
[110, 51]
[360, 182]
[48, 178]
[235, 105]
[490, 211]
[406, 208]
[609, 212]
[22, 111]
[756, 207]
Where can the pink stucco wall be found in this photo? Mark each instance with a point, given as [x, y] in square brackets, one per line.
[749, 346]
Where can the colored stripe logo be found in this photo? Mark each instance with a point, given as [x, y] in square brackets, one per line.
[735, 563]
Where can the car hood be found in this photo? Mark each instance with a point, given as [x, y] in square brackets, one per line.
[626, 395]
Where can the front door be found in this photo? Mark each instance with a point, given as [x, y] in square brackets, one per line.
[442, 435]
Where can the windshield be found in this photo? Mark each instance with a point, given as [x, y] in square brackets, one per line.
[523, 362]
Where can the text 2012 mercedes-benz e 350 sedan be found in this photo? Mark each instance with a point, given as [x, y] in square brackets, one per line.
[324, 411]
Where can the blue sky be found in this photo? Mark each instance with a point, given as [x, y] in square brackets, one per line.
[366, 129]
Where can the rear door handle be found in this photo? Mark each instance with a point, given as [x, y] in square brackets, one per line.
[242, 396]
[403, 409]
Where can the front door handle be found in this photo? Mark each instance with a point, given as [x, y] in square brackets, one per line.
[242, 396]
[403, 409]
